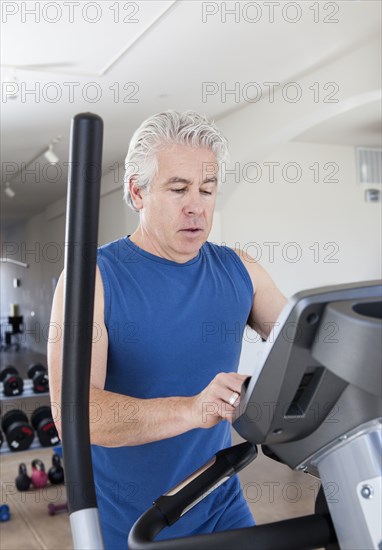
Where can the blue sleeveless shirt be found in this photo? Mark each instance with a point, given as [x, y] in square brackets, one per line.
[172, 327]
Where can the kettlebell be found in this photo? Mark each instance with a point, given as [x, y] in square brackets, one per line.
[23, 481]
[39, 475]
[56, 472]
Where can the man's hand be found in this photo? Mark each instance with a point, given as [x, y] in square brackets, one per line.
[218, 400]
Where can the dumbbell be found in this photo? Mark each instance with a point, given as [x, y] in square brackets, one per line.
[39, 475]
[12, 382]
[18, 432]
[23, 481]
[54, 509]
[39, 376]
[4, 512]
[56, 471]
[42, 422]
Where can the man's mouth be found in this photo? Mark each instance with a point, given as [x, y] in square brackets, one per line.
[192, 230]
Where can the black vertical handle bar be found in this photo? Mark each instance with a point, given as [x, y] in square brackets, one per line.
[85, 161]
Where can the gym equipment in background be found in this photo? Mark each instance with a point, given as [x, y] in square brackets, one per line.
[16, 324]
[54, 509]
[5, 514]
[315, 404]
[23, 481]
[56, 471]
[17, 430]
[43, 423]
[12, 382]
[39, 375]
[39, 476]
[1, 438]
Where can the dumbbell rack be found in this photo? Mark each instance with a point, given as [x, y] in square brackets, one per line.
[28, 393]
[35, 445]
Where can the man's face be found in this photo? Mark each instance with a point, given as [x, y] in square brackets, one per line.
[177, 211]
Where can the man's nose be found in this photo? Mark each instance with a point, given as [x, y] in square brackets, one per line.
[194, 204]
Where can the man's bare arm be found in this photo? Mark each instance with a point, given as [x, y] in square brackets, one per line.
[268, 301]
[118, 420]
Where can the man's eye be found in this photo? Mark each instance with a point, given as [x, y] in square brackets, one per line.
[207, 192]
[178, 190]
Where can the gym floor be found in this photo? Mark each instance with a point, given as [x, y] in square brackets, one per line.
[273, 491]
[30, 526]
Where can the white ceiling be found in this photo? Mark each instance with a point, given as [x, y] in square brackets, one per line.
[362, 126]
[161, 52]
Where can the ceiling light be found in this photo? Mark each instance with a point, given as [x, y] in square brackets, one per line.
[47, 152]
[10, 85]
[16, 262]
[50, 155]
[9, 191]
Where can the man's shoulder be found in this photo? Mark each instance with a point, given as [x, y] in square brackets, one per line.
[223, 249]
[218, 247]
[235, 256]
[112, 244]
[111, 250]
[250, 264]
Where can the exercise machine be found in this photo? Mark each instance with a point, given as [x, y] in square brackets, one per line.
[321, 371]
[315, 405]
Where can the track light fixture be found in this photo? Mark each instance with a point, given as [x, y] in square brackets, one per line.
[47, 152]
[15, 262]
[50, 155]
[9, 191]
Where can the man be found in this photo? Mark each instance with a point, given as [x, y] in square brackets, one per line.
[170, 311]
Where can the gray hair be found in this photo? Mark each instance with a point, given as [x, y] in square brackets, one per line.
[168, 127]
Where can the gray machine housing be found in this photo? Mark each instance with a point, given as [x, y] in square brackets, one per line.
[315, 403]
[314, 386]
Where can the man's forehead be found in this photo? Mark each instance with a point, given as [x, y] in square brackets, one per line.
[185, 154]
[179, 164]
[208, 178]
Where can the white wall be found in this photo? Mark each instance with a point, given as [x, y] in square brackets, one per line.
[324, 233]
[310, 214]
[305, 212]
[116, 219]
[256, 129]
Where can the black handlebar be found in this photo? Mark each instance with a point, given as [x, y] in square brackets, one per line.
[308, 532]
[203, 481]
[313, 531]
[80, 264]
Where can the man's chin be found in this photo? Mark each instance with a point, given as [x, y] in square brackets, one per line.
[191, 244]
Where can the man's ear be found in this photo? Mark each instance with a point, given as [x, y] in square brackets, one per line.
[136, 193]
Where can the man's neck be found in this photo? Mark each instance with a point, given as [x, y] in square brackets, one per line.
[143, 240]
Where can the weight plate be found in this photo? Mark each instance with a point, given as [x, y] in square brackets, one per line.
[13, 416]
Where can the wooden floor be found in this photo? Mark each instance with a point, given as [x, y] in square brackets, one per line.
[30, 525]
[272, 490]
